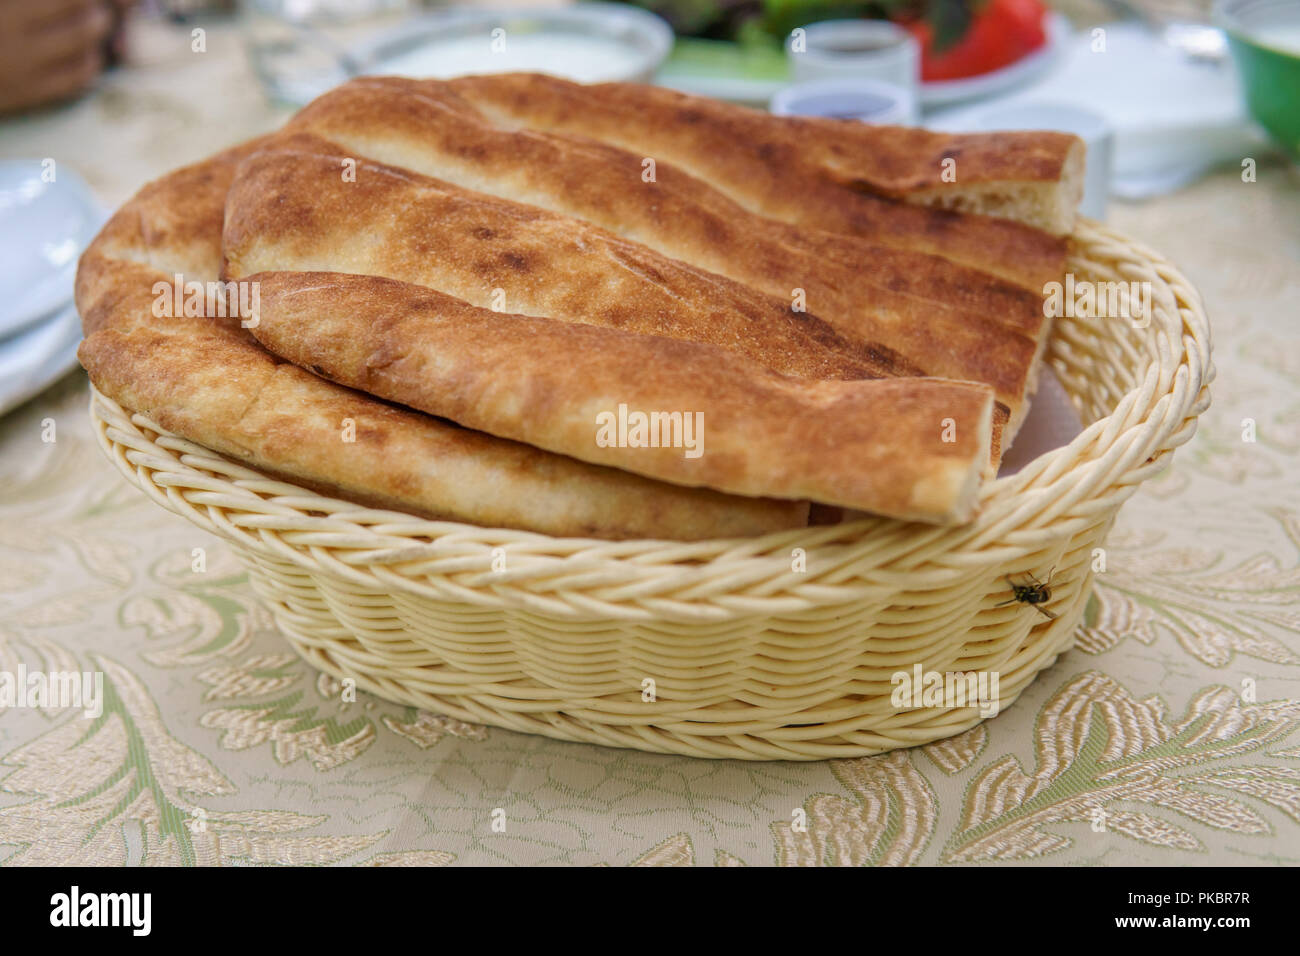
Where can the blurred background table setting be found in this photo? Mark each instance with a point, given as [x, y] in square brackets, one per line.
[1162, 92]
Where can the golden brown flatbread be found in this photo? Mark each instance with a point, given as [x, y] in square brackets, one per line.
[909, 448]
[489, 250]
[290, 208]
[208, 380]
[828, 174]
[918, 313]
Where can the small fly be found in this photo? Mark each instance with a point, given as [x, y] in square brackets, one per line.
[1034, 594]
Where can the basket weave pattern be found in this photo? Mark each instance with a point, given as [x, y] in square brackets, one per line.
[749, 658]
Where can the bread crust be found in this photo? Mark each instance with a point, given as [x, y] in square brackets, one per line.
[290, 209]
[908, 448]
[497, 271]
[850, 176]
[920, 314]
[208, 380]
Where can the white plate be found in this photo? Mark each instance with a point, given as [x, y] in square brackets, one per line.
[587, 42]
[939, 93]
[35, 359]
[43, 229]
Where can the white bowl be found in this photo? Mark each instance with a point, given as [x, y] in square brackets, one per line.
[297, 61]
[588, 42]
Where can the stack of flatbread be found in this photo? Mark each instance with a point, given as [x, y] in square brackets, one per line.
[612, 311]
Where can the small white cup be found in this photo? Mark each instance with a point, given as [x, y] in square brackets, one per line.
[870, 101]
[1091, 127]
[855, 50]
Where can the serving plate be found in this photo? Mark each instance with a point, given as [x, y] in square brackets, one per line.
[37, 357]
[44, 226]
[587, 42]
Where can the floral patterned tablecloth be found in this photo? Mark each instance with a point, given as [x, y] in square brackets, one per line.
[1170, 734]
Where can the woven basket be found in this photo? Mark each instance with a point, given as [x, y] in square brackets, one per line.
[749, 658]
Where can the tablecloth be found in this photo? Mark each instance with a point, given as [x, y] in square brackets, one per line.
[1167, 735]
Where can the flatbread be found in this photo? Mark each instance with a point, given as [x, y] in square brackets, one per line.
[290, 208]
[923, 314]
[484, 271]
[908, 448]
[839, 176]
[208, 380]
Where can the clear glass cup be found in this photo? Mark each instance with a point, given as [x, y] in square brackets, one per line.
[300, 48]
[855, 50]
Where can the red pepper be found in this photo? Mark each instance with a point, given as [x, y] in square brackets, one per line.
[1002, 32]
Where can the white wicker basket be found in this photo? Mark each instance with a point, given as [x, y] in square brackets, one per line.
[748, 657]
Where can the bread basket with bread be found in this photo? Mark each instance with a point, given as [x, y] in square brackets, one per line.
[633, 418]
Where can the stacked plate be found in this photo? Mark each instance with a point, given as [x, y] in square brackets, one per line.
[47, 217]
